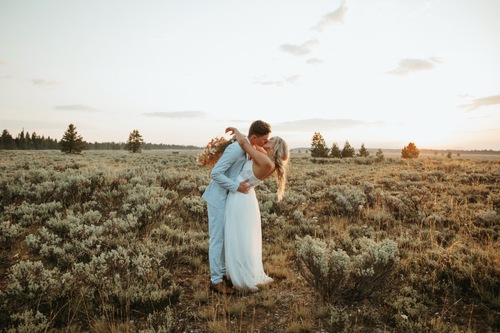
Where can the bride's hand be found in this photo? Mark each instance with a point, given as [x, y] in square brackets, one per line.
[237, 134]
[232, 130]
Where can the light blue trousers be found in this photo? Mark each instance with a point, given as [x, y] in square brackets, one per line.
[216, 245]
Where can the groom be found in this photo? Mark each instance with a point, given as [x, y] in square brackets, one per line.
[223, 179]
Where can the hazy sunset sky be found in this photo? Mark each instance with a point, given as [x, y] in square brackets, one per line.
[383, 73]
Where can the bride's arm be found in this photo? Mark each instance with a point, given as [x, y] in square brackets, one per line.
[258, 155]
[262, 150]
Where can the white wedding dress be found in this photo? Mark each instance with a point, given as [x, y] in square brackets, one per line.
[243, 236]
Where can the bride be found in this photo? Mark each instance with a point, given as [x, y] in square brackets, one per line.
[243, 235]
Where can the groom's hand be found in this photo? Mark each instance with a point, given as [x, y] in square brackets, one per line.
[244, 186]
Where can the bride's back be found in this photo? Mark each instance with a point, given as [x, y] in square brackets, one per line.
[262, 166]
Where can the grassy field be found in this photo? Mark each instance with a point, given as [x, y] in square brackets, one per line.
[117, 242]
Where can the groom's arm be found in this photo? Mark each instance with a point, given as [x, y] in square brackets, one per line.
[228, 158]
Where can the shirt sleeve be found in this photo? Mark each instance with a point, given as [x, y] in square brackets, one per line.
[228, 158]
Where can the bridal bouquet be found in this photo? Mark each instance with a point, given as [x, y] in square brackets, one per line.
[213, 151]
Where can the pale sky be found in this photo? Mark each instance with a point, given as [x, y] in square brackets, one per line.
[379, 72]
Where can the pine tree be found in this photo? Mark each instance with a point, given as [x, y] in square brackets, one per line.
[410, 151]
[335, 152]
[363, 152]
[28, 139]
[71, 142]
[348, 150]
[35, 141]
[8, 141]
[135, 142]
[318, 146]
[21, 141]
[379, 155]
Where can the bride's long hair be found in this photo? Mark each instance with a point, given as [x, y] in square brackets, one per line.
[281, 155]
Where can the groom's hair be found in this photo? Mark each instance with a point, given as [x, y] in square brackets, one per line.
[259, 128]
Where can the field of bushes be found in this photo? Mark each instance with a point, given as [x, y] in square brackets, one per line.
[109, 241]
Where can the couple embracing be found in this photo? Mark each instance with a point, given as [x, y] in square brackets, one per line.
[234, 224]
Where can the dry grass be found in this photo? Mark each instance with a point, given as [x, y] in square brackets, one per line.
[442, 213]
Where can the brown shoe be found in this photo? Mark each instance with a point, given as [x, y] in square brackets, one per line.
[221, 288]
[227, 281]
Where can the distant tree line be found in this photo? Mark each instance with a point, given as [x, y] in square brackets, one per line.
[27, 141]
[145, 146]
[320, 149]
[33, 141]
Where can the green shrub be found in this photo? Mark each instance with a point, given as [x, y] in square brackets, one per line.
[341, 276]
